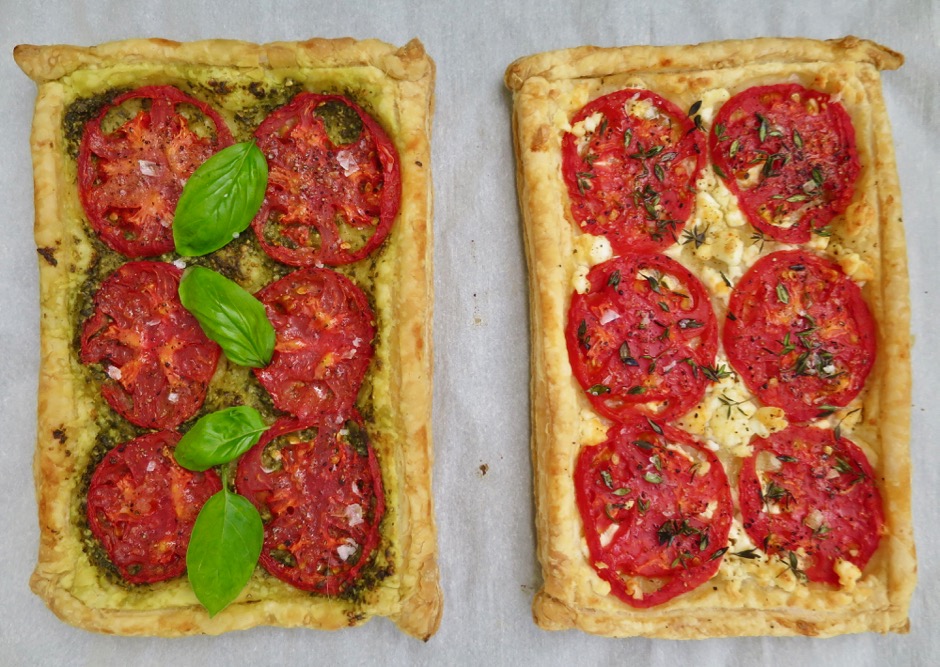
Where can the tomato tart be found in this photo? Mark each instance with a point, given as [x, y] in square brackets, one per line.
[142, 154]
[720, 338]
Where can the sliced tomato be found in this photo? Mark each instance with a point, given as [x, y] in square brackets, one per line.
[640, 336]
[142, 506]
[130, 179]
[656, 509]
[810, 498]
[799, 334]
[630, 165]
[329, 200]
[319, 492]
[324, 328]
[788, 154]
[157, 358]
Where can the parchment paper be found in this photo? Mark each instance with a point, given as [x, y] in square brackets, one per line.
[482, 475]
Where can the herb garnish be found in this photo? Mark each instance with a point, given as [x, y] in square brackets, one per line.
[625, 355]
[699, 238]
[718, 554]
[793, 565]
[220, 437]
[228, 534]
[730, 403]
[775, 492]
[715, 373]
[220, 199]
[229, 315]
[653, 478]
[582, 335]
[224, 548]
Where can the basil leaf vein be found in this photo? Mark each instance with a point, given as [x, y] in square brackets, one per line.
[229, 315]
[220, 437]
[220, 199]
[224, 549]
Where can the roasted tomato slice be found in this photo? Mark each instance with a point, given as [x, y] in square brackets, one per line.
[800, 334]
[319, 492]
[142, 506]
[630, 165]
[157, 358]
[130, 179]
[638, 338]
[810, 498]
[324, 329]
[334, 182]
[788, 154]
[656, 509]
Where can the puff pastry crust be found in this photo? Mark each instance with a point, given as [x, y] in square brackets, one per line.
[396, 86]
[745, 597]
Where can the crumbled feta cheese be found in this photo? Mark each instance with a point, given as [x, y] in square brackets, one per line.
[849, 574]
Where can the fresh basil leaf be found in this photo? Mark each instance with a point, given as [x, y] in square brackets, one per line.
[220, 199]
[229, 315]
[220, 437]
[223, 550]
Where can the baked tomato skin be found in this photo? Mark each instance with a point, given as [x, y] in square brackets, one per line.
[142, 506]
[130, 180]
[788, 154]
[631, 177]
[800, 334]
[326, 203]
[638, 338]
[656, 509]
[324, 328]
[810, 498]
[318, 489]
[157, 358]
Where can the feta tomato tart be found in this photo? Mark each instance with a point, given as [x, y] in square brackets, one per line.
[235, 281]
[720, 338]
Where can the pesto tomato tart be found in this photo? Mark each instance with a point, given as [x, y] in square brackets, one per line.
[158, 513]
[720, 338]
